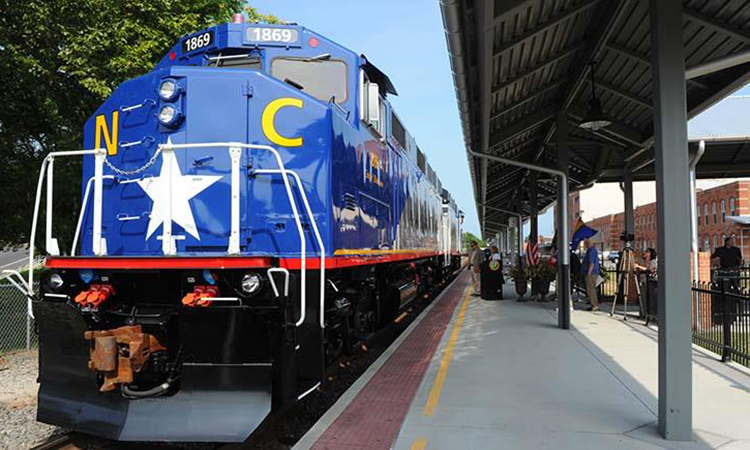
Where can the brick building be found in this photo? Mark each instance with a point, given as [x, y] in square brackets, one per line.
[718, 209]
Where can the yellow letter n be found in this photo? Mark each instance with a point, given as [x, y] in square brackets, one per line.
[110, 140]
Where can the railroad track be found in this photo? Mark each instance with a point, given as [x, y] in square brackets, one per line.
[57, 442]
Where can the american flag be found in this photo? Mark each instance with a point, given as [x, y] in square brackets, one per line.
[532, 253]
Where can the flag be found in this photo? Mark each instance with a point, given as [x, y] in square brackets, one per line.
[532, 253]
[581, 232]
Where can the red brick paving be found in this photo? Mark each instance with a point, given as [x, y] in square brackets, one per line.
[373, 419]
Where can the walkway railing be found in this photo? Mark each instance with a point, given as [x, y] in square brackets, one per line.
[721, 319]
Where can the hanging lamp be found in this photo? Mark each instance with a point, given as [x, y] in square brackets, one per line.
[595, 118]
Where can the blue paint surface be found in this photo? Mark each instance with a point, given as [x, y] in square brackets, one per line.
[365, 191]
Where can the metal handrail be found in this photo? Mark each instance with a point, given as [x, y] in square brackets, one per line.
[317, 236]
[83, 209]
[46, 164]
[235, 214]
[168, 247]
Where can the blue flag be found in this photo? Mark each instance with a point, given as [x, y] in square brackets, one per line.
[581, 232]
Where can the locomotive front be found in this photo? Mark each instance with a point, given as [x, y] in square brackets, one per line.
[173, 318]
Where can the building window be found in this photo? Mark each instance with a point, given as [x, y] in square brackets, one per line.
[706, 243]
[723, 210]
[713, 211]
[732, 207]
[705, 211]
[716, 242]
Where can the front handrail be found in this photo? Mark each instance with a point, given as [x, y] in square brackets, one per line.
[84, 202]
[50, 243]
[234, 233]
[168, 244]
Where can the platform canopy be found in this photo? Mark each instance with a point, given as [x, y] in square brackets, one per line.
[518, 63]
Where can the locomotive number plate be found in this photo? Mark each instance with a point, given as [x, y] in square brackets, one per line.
[276, 35]
[198, 42]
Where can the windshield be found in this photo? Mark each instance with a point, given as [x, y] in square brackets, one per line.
[323, 79]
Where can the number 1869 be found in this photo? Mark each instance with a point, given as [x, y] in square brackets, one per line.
[196, 42]
[272, 34]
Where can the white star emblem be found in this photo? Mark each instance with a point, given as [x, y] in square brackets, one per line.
[183, 189]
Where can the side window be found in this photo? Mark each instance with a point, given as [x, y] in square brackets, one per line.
[398, 131]
[371, 105]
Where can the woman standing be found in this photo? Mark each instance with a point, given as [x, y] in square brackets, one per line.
[646, 272]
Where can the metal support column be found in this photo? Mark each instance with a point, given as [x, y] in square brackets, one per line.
[563, 240]
[534, 205]
[520, 237]
[628, 194]
[673, 220]
[565, 260]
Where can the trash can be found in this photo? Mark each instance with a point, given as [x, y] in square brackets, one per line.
[491, 280]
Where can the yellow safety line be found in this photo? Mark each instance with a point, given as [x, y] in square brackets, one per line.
[419, 444]
[437, 386]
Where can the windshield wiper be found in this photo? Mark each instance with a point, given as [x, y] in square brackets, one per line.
[294, 83]
[323, 57]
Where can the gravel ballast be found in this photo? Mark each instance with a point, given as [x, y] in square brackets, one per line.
[18, 387]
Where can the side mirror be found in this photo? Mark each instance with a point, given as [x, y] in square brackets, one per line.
[373, 105]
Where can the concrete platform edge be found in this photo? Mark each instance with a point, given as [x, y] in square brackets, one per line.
[314, 433]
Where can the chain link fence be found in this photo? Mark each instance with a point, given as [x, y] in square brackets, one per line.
[16, 327]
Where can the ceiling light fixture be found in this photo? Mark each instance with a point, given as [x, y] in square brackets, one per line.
[595, 118]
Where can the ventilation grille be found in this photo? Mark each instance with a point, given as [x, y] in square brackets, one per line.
[350, 202]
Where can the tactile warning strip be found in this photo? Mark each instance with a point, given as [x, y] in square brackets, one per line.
[374, 417]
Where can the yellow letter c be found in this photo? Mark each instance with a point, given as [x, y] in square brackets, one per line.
[269, 115]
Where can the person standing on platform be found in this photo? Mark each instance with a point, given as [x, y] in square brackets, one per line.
[591, 274]
[730, 260]
[476, 258]
[729, 256]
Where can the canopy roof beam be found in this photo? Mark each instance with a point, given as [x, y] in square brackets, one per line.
[717, 25]
[643, 59]
[626, 95]
[551, 22]
[516, 129]
[562, 54]
[536, 93]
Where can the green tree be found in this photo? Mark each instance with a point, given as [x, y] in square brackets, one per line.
[253, 16]
[59, 60]
[469, 237]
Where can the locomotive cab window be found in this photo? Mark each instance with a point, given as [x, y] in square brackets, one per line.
[324, 79]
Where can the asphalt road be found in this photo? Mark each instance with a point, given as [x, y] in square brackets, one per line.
[13, 259]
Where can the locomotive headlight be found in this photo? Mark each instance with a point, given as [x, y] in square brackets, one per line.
[169, 116]
[169, 90]
[56, 281]
[251, 283]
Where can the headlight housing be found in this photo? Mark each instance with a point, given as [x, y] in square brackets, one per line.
[251, 283]
[55, 282]
[169, 90]
[170, 116]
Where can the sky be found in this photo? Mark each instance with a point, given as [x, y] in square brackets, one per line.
[405, 39]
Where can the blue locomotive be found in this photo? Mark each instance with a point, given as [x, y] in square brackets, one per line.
[251, 208]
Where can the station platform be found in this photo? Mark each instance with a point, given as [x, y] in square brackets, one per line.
[472, 373]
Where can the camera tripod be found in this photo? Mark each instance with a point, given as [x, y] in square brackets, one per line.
[625, 276]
